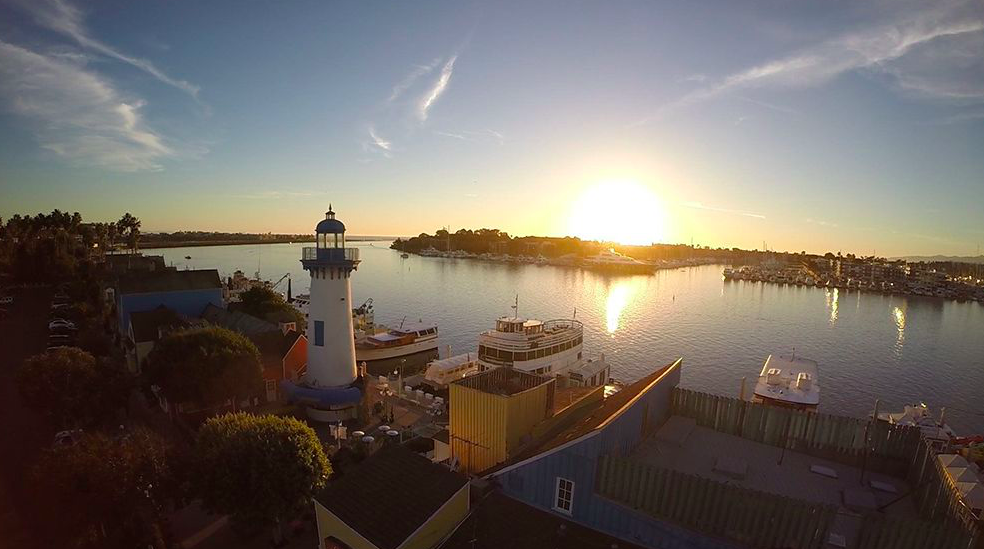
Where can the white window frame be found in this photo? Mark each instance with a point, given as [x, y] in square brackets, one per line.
[557, 505]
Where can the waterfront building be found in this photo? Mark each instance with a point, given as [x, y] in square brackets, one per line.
[185, 292]
[394, 499]
[331, 387]
[146, 329]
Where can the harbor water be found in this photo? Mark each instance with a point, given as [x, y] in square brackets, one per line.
[899, 349]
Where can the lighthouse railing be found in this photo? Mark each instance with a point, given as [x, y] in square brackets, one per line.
[329, 254]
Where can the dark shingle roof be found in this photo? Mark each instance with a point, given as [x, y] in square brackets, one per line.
[237, 321]
[499, 521]
[390, 494]
[147, 324]
[274, 344]
[170, 281]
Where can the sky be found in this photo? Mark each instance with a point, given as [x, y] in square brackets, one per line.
[818, 126]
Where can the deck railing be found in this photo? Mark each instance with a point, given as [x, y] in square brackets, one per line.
[312, 253]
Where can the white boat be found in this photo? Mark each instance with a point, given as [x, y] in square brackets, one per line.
[614, 261]
[377, 342]
[543, 348]
[442, 372]
[788, 382]
[937, 432]
[408, 339]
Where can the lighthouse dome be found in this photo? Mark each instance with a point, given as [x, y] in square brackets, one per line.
[330, 225]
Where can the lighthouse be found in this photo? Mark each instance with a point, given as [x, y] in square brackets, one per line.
[331, 387]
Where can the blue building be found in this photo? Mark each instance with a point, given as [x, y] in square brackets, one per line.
[184, 292]
[558, 474]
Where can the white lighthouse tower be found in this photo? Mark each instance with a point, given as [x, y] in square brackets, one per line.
[329, 388]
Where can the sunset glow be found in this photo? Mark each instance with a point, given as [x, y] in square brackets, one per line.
[618, 211]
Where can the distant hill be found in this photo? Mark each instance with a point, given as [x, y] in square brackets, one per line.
[945, 258]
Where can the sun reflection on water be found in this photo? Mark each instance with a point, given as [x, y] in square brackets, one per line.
[899, 315]
[833, 298]
[619, 296]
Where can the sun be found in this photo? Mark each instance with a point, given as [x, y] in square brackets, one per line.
[625, 212]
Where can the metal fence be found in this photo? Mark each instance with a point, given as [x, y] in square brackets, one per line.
[858, 442]
[750, 517]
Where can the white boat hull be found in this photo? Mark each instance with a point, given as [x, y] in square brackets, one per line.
[364, 354]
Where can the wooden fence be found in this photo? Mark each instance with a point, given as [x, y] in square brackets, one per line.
[858, 442]
[750, 517]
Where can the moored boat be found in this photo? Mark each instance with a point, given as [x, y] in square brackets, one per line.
[789, 382]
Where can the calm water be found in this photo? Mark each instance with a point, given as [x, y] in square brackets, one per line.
[898, 349]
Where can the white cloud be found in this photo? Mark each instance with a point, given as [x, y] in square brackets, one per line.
[77, 114]
[379, 141]
[406, 83]
[63, 18]
[438, 88]
[699, 206]
[911, 49]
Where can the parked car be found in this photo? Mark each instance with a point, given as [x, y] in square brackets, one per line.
[6, 299]
[61, 324]
[56, 306]
[60, 297]
[67, 438]
[60, 339]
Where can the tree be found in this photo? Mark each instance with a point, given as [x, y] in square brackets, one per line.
[263, 303]
[206, 365]
[258, 469]
[72, 388]
[130, 226]
[109, 491]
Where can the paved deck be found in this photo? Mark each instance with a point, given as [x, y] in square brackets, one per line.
[683, 446]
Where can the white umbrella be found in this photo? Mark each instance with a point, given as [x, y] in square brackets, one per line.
[972, 493]
[952, 460]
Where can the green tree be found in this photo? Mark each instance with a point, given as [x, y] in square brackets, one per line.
[108, 491]
[206, 365]
[258, 469]
[72, 388]
[265, 303]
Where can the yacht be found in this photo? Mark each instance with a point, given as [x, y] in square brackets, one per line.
[543, 348]
[409, 338]
[788, 382]
[936, 432]
[614, 261]
[377, 342]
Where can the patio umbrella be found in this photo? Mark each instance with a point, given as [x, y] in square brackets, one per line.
[952, 460]
[972, 493]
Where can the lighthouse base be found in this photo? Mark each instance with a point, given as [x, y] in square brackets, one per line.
[332, 415]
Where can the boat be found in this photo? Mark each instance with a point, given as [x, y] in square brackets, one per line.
[610, 260]
[409, 338]
[552, 348]
[187, 257]
[789, 383]
[937, 432]
[404, 255]
[442, 372]
[375, 342]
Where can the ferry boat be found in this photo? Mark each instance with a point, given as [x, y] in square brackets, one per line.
[788, 382]
[613, 261]
[553, 348]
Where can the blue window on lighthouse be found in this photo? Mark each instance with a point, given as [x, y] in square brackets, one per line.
[319, 333]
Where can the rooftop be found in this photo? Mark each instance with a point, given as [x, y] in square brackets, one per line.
[237, 321]
[499, 521]
[390, 494]
[503, 381]
[170, 281]
[147, 325]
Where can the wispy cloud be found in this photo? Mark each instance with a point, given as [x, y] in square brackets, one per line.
[77, 114]
[821, 222]
[699, 206]
[458, 136]
[277, 195]
[405, 84]
[66, 19]
[438, 88]
[878, 49]
[767, 105]
[379, 141]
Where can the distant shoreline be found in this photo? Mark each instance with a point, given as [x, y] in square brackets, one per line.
[203, 243]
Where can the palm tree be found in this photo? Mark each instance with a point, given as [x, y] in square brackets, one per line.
[130, 226]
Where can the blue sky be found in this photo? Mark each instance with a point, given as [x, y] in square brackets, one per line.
[853, 126]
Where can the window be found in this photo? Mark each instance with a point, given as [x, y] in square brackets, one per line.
[564, 501]
[319, 333]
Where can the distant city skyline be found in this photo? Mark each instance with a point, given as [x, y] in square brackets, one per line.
[854, 126]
